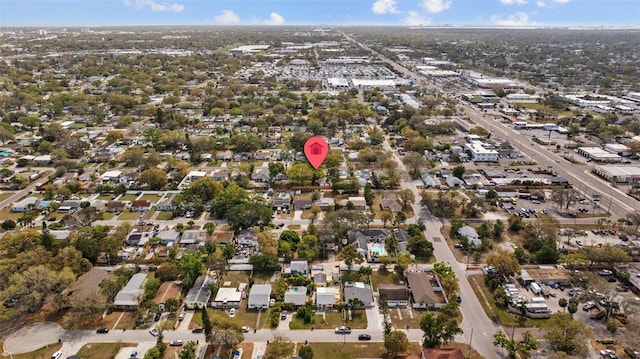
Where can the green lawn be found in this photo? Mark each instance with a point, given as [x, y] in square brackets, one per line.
[42, 353]
[150, 197]
[150, 213]
[236, 277]
[243, 317]
[5, 195]
[330, 321]
[390, 277]
[129, 216]
[105, 197]
[108, 215]
[128, 197]
[341, 350]
[164, 216]
[103, 350]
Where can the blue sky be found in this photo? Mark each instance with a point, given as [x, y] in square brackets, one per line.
[313, 12]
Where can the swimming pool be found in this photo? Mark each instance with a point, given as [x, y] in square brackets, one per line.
[377, 250]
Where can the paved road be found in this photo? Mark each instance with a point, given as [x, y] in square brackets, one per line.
[478, 328]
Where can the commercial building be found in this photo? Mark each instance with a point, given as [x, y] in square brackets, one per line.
[618, 174]
[618, 149]
[481, 154]
[598, 154]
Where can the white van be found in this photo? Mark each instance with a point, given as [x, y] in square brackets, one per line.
[535, 288]
[57, 355]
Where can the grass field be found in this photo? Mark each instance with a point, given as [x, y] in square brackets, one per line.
[129, 216]
[150, 197]
[128, 197]
[5, 195]
[164, 216]
[42, 353]
[103, 350]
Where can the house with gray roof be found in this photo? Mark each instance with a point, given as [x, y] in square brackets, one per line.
[360, 291]
[471, 235]
[259, 296]
[296, 295]
[128, 298]
[198, 296]
[299, 267]
[168, 236]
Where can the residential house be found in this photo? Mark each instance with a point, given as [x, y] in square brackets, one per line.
[166, 204]
[358, 291]
[168, 236]
[358, 202]
[137, 238]
[192, 236]
[25, 204]
[115, 206]
[247, 237]
[128, 298]
[69, 206]
[140, 206]
[282, 201]
[225, 156]
[296, 295]
[260, 175]
[362, 238]
[227, 298]
[423, 287]
[128, 177]
[396, 295]
[299, 267]
[110, 177]
[43, 159]
[471, 235]
[320, 279]
[219, 174]
[325, 203]
[259, 296]
[222, 237]
[390, 202]
[326, 297]
[198, 296]
[300, 204]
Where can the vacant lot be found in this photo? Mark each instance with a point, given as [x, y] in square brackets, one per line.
[42, 353]
[102, 350]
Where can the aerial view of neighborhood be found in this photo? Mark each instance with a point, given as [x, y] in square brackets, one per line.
[272, 192]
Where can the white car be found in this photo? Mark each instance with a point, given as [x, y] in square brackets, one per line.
[181, 317]
[232, 312]
[153, 331]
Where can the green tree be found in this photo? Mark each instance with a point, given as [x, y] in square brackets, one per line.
[188, 351]
[458, 171]
[415, 162]
[207, 326]
[406, 196]
[350, 255]
[504, 262]
[264, 262]
[279, 348]
[308, 247]
[190, 267]
[154, 178]
[513, 347]
[247, 215]
[306, 352]
[396, 343]
[567, 335]
[439, 329]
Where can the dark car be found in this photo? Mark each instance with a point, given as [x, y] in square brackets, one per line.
[157, 317]
[102, 331]
[364, 337]
[197, 329]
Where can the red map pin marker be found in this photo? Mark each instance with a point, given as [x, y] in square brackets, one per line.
[316, 150]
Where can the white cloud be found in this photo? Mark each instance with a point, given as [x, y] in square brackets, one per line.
[413, 18]
[384, 7]
[561, 1]
[511, 2]
[435, 6]
[274, 19]
[155, 6]
[518, 19]
[541, 3]
[227, 17]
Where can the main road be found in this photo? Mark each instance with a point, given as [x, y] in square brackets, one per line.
[612, 199]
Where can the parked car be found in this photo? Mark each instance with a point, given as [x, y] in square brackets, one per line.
[605, 272]
[176, 343]
[157, 317]
[245, 329]
[197, 329]
[611, 279]
[588, 306]
[232, 312]
[343, 330]
[102, 331]
[238, 353]
[283, 315]
[364, 337]
[181, 317]
[153, 331]
[272, 302]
